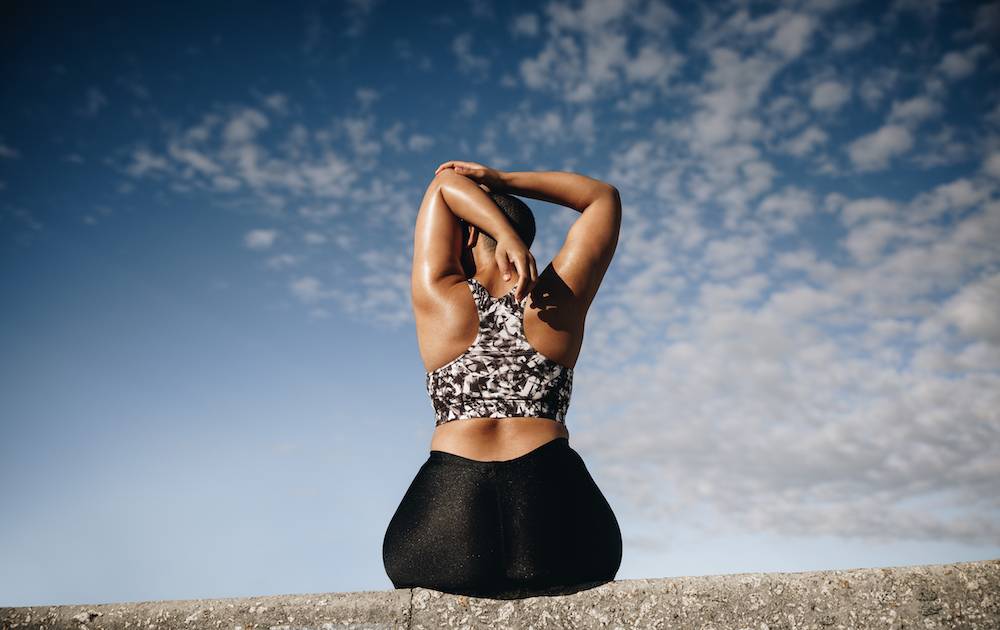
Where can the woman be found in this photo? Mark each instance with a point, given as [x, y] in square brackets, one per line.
[503, 506]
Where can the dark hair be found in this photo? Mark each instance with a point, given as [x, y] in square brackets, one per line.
[518, 214]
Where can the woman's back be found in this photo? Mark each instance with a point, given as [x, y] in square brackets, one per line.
[553, 320]
[554, 313]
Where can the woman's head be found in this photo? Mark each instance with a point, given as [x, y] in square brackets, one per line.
[519, 216]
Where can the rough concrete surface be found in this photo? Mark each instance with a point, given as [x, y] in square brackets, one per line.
[960, 595]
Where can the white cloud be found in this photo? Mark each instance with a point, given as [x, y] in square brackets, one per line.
[946, 146]
[8, 152]
[281, 261]
[260, 239]
[546, 127]
[875, 87]
[872, 152]
[987, 19]
[807, 261]
[991, 164]
[586, 52]
[420, 142]
[308, 289]
[468, 61]
[366, 96]
[868, 208]
[734, 255]
[853, 37]
[792, 35]
[357, 14]
[468, 106]
[783, 212]
[829, 96]
[914, 111]
[583, 126]
[525, 24]
[844, 362]
[404, 50]
[277, 102]
[592, 15]
[804, 143]
[953, 197]
[719, 296]
[313, 238]
[482, 8]
[391, 135]
[635, 100]
[866, 242]
[649, 64]
[144, 161]
[657, 17]
[798, 302]
[732, 89]
[926, 9]
[974, 310]
[193, 160]
[359, 130]
[344, 241]
[244, 126]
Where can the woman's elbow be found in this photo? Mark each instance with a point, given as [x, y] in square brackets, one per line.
[611, 191]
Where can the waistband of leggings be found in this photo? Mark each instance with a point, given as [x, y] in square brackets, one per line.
[557, 444]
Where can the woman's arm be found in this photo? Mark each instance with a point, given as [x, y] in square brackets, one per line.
[471, 204]
[451, 196]
[560, 187]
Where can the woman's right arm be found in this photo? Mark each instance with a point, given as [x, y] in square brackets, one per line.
[560, 187]
[592, 239]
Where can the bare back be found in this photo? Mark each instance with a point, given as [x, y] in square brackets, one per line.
[554, 320]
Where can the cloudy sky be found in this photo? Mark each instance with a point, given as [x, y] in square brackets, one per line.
[210, 377]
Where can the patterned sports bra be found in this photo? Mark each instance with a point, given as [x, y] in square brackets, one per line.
[500, 375]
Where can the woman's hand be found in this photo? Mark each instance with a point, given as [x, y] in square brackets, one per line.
[483, 175]
[511, 251]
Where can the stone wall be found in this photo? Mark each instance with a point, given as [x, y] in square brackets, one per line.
[960, 595]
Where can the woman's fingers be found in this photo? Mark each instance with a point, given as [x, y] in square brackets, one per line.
[449, 164]
[503, 263]
[462, 165]
[446, 165]
[520, 259]
[527, 273]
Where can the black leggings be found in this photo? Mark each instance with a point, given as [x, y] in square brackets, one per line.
[518, 527]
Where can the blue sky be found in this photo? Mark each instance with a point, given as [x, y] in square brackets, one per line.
[211, 384]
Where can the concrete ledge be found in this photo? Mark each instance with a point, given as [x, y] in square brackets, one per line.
[963, 595]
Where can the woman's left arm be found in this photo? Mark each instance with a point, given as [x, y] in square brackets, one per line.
[438, 234]
[470, 203]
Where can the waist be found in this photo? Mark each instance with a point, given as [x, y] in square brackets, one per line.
[495, 438]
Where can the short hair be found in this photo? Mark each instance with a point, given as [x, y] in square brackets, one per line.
[518, 214]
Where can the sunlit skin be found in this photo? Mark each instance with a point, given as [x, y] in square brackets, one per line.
[446, 255]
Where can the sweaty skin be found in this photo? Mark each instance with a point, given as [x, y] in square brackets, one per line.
[554, 315]
[495, 439]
